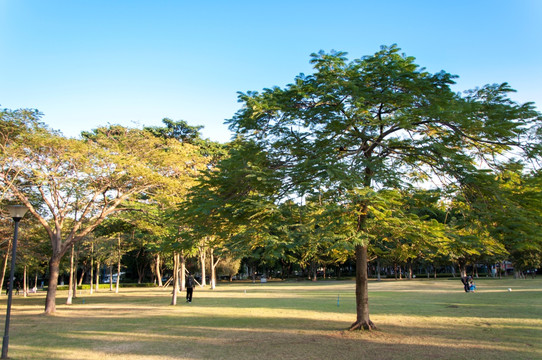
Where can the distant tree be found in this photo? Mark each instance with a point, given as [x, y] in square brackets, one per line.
[179, 130]
[79, 183]
[229, 266]
[507, 203]
[398, 234]
[519, 219]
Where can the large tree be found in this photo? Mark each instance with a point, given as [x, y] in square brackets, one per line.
[71, 186]
[379, 121]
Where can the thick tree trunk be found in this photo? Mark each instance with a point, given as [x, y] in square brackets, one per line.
[363, 322]
[50, 300]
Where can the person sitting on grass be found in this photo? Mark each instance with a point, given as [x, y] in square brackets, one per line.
[472, 286]
[466, 283]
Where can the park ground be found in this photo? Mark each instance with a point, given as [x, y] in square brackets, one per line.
[416, 319]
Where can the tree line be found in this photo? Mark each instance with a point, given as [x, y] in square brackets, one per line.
[372, 162]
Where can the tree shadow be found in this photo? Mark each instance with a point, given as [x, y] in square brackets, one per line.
[249, 337]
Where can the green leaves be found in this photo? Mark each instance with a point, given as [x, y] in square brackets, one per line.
[378, 122]
[389, 115]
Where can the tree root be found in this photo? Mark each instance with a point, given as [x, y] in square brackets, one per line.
[362, 325]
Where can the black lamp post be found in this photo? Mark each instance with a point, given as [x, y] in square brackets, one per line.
[16, 212]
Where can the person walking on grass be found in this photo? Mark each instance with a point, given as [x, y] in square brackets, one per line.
[189, 288]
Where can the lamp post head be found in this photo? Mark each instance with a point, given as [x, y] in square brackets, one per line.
[17, 211]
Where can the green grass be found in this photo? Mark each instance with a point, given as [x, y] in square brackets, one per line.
[419, 319]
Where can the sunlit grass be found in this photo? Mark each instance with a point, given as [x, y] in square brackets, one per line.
[293, 320]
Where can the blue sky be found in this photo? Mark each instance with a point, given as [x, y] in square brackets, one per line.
[91, 63]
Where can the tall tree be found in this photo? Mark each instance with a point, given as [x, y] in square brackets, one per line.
[78, 182]
[174, 230]
[379, 121]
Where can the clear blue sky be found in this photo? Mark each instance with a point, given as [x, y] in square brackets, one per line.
[91, 63]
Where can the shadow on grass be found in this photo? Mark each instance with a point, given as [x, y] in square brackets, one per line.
[249, 337]
[226, 324]
[451, 303]
[526, 305]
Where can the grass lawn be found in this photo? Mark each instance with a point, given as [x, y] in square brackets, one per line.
[417, 319]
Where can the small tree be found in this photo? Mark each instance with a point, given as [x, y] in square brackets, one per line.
[229, 266]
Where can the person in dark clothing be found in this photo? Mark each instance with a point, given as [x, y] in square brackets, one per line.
[466, 283]
[189, 288]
